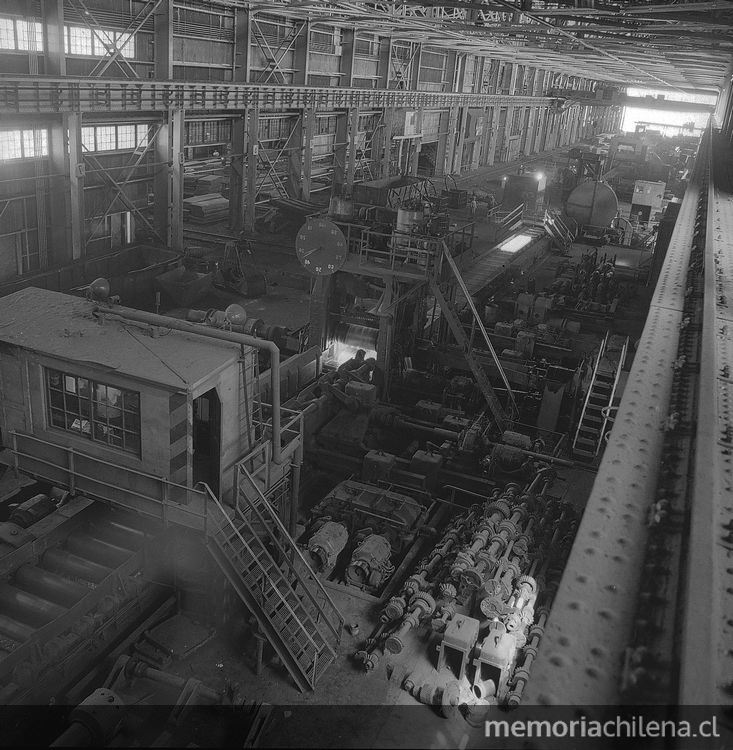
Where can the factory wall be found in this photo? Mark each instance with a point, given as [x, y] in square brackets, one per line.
[96, 184]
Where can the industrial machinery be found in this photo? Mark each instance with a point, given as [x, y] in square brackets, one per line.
[359, 533]
[143, 706]
[234, 274]
[484, 592]
[592, 204]
[72, 584]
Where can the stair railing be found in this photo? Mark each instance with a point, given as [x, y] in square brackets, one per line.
[601, 351]
[331, 615]
[606, 410]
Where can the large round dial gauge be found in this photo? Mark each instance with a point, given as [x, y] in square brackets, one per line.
[321, 247]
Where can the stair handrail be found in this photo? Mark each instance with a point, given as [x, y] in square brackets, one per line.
[617, 377]
[276, 520]
[564, 229]
[257, 558]
[601, 351]
[556, 229]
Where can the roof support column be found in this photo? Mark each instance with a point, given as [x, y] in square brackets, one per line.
[301, 157]
[507, 145]
[237, 174]
[53, 22]
[532, 119]
[163, 40]
[488, 122]
[383, 145]
[253, 147]
[513, 79]
[344, 162]
[415, 146]
[460, 138]
[478, 144]
[169, 179]
[491, 149]
[300, 56]
[451, 140]
[347, 57]
[58, 198]
[385, 62]
[243, 37]
[72, 124]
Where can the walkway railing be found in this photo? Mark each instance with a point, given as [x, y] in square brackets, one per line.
[136, 490]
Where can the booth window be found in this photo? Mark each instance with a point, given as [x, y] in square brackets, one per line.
[99, 412]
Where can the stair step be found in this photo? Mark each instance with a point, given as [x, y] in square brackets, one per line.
[295, 618]
[584, 454]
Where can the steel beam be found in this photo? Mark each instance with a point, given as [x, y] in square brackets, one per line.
[238, 175]
[53, 24]
[169, 180]
[706, 657]
[163, 35]
[46, 95]
[252, 159]
[72, 123]
[593, 614]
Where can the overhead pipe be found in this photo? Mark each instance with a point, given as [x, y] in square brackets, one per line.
[231, 337]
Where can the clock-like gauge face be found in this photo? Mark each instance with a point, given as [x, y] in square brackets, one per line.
[321, 247]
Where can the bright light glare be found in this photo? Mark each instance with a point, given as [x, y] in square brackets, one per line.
[672, 119]
[539, 176]
[516, 243]
[344, 352]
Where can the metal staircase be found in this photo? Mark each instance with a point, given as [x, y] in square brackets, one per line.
[594, 418]
[271, 576]
[557, 229]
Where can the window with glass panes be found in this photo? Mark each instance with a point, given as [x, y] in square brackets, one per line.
[94, 410]
[20, 34]
[82, 40]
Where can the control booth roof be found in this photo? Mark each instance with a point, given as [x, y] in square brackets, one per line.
[63, 326]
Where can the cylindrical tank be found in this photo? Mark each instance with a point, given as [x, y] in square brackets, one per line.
[592, 203]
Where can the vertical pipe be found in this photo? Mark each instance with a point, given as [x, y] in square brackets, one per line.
[295, 486]
[214, 333]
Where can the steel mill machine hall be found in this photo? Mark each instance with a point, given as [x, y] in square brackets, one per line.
[365, 372]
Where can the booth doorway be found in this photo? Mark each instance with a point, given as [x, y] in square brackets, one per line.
[207, 439]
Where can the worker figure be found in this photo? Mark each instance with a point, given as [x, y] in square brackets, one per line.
[352, 364]
[474, 207]
[370, 373]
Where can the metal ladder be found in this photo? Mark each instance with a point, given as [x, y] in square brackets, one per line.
[273, 579]
[594, 417]
[555, 227]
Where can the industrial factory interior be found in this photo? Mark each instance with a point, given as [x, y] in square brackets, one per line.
[366, 372]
